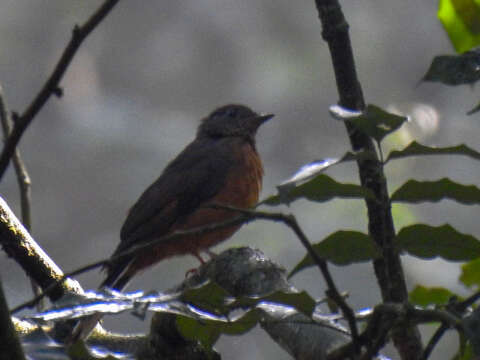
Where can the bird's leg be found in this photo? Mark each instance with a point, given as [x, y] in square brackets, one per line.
[211, 254]
[195, 270]
[197, 255]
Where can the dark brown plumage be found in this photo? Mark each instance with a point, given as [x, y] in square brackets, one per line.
[221, 165]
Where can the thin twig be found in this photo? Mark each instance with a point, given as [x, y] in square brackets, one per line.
[455, 307]
[462, 306]
[135, 250]
[386, 318]
[434, 341]
[51, 87]
[23, 179]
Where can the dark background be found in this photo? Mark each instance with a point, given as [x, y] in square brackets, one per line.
[139, 85]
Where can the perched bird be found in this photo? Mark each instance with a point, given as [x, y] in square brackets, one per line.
[221, 165]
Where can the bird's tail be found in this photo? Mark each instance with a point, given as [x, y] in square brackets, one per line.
[116, 279]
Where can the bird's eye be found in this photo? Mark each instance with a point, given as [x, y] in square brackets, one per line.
[232, 112]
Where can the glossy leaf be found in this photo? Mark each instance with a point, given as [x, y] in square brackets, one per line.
[454, 69]
[470, 275]
[414, 191]
[378, 123]
[210, 297]
[342, 248]
[416, 149]
[461, 20]
[322, 188]
[301, 301]
[424, 296]
[428, 242]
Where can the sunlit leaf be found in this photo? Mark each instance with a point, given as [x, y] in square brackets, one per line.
[301, 301]
[428, 242]
[376, 122]
[461, 20]
[342, 248]
[416, 149]
[424, 296]
[414, 191]
[315, 168]
[470, 275]
[322, 188]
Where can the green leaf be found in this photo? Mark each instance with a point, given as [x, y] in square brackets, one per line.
[470, 275]
[321, 188]
[209, 297]
[414, 191]
[428, 242]
[377, 123]
[301, 301]
[416, 149]
[424, 296]
[314, 168]
[461, 20]
[342, 248]
[207, 332]
[454, 69]
[465, 350]
[203, 331]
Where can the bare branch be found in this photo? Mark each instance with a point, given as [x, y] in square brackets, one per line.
[17, 243]
[51, 86]
[23, 178]
[10, 347]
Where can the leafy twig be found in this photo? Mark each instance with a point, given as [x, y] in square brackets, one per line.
[51, 86]
[292, 223]
[388, 268]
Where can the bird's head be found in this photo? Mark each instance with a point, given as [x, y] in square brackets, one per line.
[232, 120]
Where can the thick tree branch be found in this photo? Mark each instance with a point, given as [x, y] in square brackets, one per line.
[18, 244]
[10, 347]
[51, 87]
[388, 268]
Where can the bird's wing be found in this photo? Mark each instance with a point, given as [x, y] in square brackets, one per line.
[190, 180]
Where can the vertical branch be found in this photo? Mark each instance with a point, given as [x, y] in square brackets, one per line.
[21, 172]
[51, 86]
[10, 347]
[388, 268]
[23, 179]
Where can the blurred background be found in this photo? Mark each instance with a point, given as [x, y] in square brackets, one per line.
[136, 90]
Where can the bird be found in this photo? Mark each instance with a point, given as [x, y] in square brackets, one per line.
[220, 166]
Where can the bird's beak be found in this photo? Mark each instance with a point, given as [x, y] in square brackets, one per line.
[265, 117]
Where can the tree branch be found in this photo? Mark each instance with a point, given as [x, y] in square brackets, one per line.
[17, 243]
[51, 86]
[10, 347]
[388, 269]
